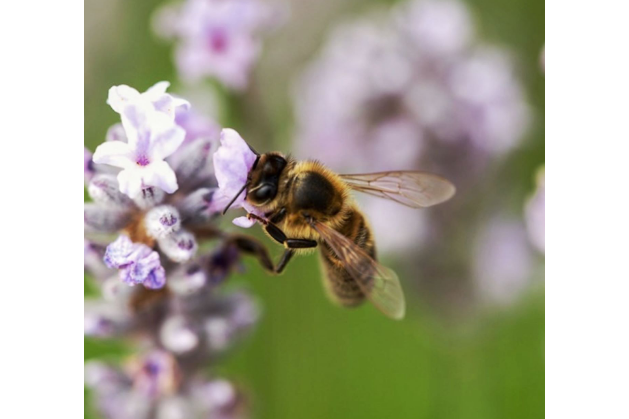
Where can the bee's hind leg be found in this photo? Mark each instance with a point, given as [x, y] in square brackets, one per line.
[286, 257]
[251, 246]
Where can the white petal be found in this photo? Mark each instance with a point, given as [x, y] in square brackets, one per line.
[183, 103]
[243, 222]
[130, 181]
[166, 142]
[114, 153]
[120, 96]
[161, 175]
[157, 90]
[165, 104]
[137, 122]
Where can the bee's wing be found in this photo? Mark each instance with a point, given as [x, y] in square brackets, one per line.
[413, 189]
[378, 283]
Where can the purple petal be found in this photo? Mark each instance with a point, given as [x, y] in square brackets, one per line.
[232, 162]
[197, 126]
[123, 252]
[156, 279]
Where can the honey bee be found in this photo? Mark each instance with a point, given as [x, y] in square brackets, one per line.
[305, 205]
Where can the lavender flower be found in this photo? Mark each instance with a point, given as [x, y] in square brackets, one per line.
[158, 288]
[123, 95]
[535, 212]
[232, 162]
[150, 387]
[217, 38]
[151, 137]
[137, 263]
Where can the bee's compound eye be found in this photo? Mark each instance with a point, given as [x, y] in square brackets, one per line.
[265, 192]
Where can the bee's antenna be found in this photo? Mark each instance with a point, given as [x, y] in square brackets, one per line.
[255, 163]
[235, 197]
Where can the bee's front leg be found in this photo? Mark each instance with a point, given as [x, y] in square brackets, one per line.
[278, 235]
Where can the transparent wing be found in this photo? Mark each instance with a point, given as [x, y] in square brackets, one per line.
[413, 189]
[380, 284]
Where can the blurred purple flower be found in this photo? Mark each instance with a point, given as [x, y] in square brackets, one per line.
[438, 28]
[93, 259]
[150, 388]
[388, 88]
[197, 126]
[503, 261]
[217, 38]
[535, 212]
[88, 165]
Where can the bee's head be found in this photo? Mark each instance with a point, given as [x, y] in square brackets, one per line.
[264, 178]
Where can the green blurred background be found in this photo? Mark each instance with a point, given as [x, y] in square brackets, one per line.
[307, 358]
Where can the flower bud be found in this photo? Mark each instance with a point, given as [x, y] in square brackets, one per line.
[180, 246]
[162, 221]
[196, 208]
[104, 190]
[177, 335]
[149, 197]
[104, 220]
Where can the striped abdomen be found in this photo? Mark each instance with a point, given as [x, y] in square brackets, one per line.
[341, 287]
